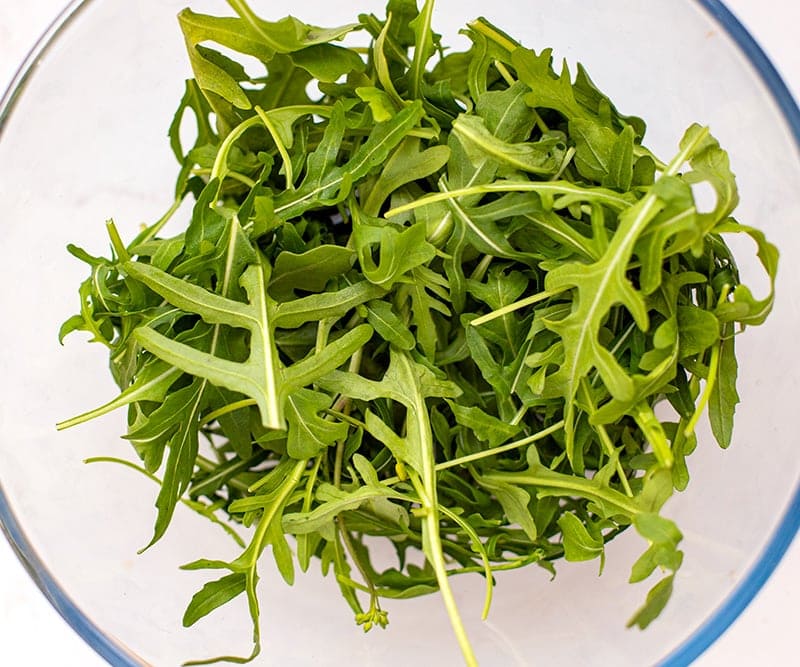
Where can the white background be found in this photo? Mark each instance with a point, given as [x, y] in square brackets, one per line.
[32, 633]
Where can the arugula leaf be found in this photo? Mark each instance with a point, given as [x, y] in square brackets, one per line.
[257, 376]
[657, 599]
[213, 595]
[438, 297]
[579, 544]
[724, 396]
[309, 434]
[326, 184]
[309, 271]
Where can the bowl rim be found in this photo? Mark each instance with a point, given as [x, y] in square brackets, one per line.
[693, 646]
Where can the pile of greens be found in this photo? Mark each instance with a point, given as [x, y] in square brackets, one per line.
[424, 295]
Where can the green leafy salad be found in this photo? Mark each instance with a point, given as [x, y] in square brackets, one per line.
[444, 299]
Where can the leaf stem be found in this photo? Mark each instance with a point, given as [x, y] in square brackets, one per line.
[346, 418]
[480, 550]
[303, 553]
[235, 175]
[517, 305]
[477, 456]
[116, 241]
[608, 197]
[287, 161]
[605, 439]
[503, 71]
[493, 34]
[248, 560]
[564, 163]
[156, 227]
[654, 432]
[481, 268]
[374, 602]
[225, 409]
[221, 162]
[436, 558]
[713, 371]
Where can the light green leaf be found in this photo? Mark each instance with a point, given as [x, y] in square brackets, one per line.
[657, 599]
[543, 157]
[309, 271]
[326, 184]
[698, 330]
[486, 428]
[398, 250]
[407, 164]
[310, 434]
[548, 90]
[334, 502]
[745, 308]
[657, 529]
[579, 544]
[380, 102]
[214, 594]
[256, 377]
[514, 501]
[424, 46]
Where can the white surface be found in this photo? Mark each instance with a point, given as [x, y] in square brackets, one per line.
[31, 632]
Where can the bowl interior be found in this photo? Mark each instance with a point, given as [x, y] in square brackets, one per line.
[87, 141]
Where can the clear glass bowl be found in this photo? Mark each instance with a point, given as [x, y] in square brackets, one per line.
[83, 139]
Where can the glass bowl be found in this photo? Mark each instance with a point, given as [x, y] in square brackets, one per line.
[83, 139]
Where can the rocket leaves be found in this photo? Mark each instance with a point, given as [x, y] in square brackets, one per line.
[443, 298]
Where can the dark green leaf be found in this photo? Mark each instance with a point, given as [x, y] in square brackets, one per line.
[724, 396]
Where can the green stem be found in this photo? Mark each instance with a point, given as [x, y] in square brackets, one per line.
[436, 558]
[463, 460]
[287, 161]
[225, 409]
[156, 227]
[608, 197]
[486, 453]
[510, 308]
[235, 175]
[424, 482]
[481, 551]
[713, 371]
[494, 35]
[481, 268]
[248, 560]
[609, 447]
[374, 603]
[564, 163]
[503, 71]
[116, 242]
[221, 162]
[286, 488]
[346, 418]
[606, 440]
